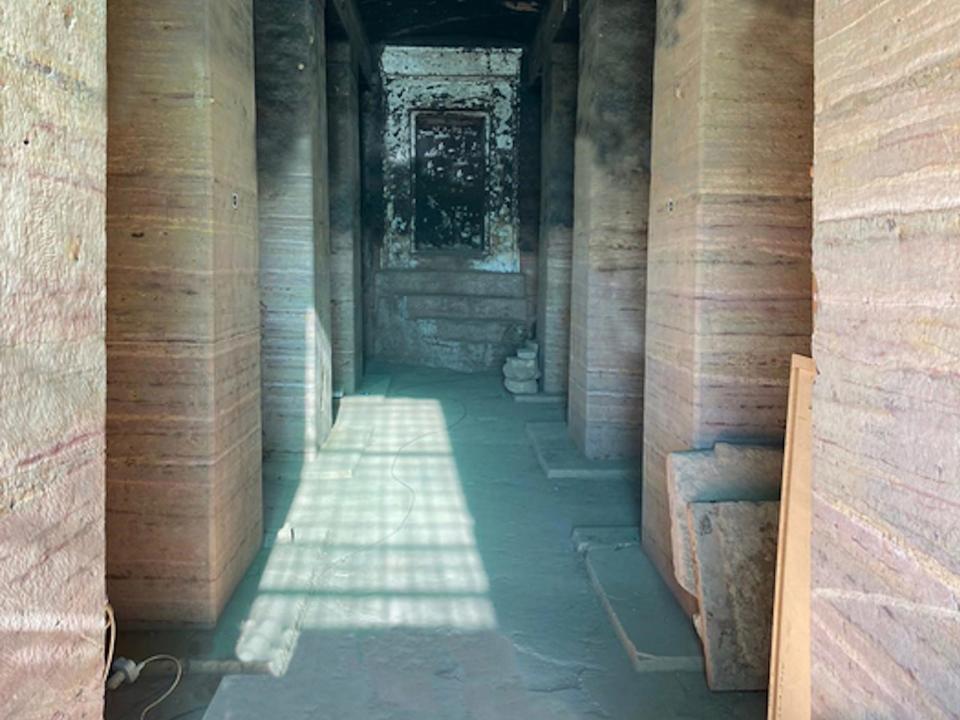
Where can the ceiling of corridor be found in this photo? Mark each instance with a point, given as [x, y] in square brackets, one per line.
[437, 21]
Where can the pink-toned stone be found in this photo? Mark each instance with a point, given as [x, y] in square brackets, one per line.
[729, 281]
[183, 316]
[886, 534]
[611, 188]
[53, 128]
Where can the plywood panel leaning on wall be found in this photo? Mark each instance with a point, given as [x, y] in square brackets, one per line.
[790, 645]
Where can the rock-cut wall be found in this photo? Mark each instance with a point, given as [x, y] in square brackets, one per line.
[53, 126]
[886, 526]
[729, 293]
[183, 318]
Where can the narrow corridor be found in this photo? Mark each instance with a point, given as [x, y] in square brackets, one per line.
[422, 567]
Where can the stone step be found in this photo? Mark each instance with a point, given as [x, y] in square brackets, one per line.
[507, 332]
[470, 283]
[463, 307]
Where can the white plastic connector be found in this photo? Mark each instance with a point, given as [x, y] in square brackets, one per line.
[123, 670]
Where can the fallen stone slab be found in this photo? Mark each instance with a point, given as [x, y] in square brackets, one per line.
[727, 472]
[735, 545]
[653, 629]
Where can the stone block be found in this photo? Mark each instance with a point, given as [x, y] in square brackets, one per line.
[516, 368]
[735, 545]
[728, 472]
[521, 387]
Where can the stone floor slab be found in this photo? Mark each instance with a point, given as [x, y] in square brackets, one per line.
[560, 458]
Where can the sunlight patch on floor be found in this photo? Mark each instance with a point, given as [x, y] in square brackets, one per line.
[391, 546]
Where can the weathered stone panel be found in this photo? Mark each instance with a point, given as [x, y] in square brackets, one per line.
[183, 405]
[886, 530]
[729, 248]
[53, 127]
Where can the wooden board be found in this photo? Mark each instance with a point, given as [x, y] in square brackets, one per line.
[790, 646]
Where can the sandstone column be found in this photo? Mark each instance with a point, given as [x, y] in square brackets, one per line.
[294, 226]
[183, 350]
[343, 110]
[610, 227]
[729, 250]
[53, 131]
[886, 534]
[558, 134]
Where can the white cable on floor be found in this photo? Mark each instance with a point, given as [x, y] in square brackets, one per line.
[396, 458]
[321, 571]
[112, 627]
[169, 692]
[393, 476]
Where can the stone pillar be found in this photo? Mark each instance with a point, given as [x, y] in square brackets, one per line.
[346, 293]
[610, 227]
[729, 249]
[183, 350]
[886, 538]
[53, 132]
[294, 226]
[558, 134]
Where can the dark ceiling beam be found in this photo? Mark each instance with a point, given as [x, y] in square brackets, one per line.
[349, 15]
[539, 50]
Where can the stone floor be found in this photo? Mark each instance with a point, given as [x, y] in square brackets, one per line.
[423, 568]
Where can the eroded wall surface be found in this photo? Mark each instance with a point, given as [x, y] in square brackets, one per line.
[295, 273]
[52, 364]
[468, 303]
[611, 186]
[183, 410]
[886, 531]
[729, 250]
